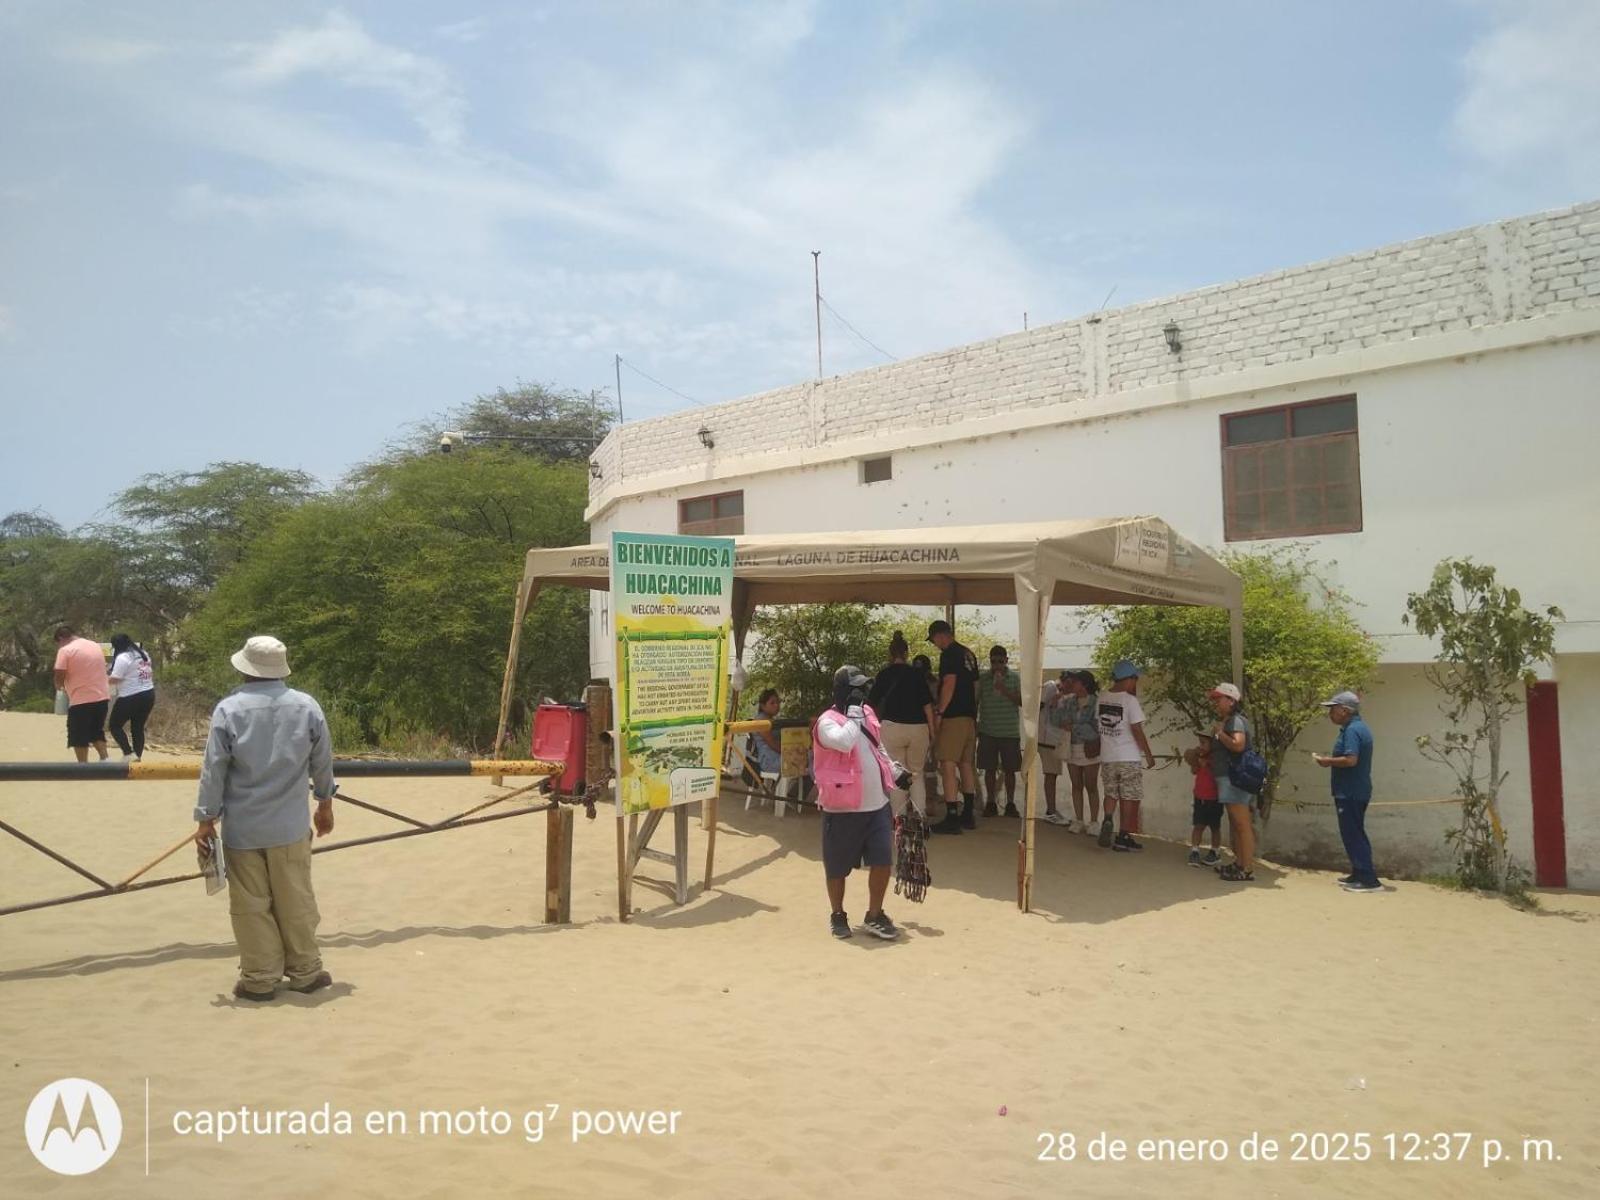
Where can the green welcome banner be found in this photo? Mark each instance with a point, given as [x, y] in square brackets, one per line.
[672, 609]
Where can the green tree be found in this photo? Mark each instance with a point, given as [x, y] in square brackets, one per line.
[198, 524]
[797, 648]
[49, 577]
[1301, 644]
[1489, 645]
[394, 594]
[553, 424]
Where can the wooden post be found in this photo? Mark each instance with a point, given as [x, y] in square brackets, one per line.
[598, 763]
[711, 834]
[508, 683]
[680, 853]
[622, 867]
[558, 866]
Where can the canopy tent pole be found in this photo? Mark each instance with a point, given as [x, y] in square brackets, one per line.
[744, 610]
[1236, 639]
[525, 594]
[1033, 612]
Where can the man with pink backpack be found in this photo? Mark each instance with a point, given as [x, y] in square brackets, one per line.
[854, 777]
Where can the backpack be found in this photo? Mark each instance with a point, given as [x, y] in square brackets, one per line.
[1247, 771]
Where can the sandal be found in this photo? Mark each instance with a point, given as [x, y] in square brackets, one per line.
[1233, 874]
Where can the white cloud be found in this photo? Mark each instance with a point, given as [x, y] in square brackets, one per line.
[341, 49]
[108, 52]
[888, 181]
[1531, 108]
[465, 32]
[703, 172]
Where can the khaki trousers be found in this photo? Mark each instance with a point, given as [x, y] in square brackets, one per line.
[274, 914]
[908, 746]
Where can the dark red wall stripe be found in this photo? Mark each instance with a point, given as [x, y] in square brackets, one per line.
[1544, 781]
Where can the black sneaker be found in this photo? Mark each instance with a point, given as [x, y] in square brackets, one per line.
[1194, 856]
[950, 824]
[1105, 833]
[989, 810]
[1125, 842]
[1118, 848]
[839, 925]
[1363, 885]
[1345, 880]
[969, 819]
[881, 927]
[1011, 811]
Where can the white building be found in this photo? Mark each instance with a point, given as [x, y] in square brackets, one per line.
[1391, 408]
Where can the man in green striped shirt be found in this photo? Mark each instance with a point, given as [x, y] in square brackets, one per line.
[1000, 730]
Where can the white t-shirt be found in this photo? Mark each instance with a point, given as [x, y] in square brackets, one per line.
[1049, 731]
[132, 673]
[1116, 713]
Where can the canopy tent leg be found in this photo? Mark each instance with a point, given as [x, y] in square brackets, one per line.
[1033, 615]
[525, 594]
[1236, 641]
[744, 611]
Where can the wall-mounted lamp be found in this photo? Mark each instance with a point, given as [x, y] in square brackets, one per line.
[1171, 334]
[594, 470]
[706, 439]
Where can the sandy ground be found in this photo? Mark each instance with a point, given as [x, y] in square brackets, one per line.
[1144, 1000]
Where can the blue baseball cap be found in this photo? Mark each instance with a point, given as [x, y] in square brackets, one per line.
[1344, 700]
[1125, 669]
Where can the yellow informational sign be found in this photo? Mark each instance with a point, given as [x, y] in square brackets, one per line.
[672, 600]
[795, 746]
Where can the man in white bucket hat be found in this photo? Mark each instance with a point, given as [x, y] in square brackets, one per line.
[266, 742]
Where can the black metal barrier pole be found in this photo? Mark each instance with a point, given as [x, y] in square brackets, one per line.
[343, 768]
[109, 890]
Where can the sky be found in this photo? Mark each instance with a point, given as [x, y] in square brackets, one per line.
[282, 231]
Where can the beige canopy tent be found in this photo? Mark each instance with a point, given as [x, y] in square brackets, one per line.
[1114, 560]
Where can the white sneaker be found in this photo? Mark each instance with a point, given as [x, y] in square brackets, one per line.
[1056, 818]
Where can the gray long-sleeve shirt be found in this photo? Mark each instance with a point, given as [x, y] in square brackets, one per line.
[266, 741]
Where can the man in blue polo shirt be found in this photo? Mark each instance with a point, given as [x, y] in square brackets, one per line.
[1351, 764]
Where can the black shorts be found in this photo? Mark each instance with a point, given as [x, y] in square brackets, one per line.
[1002, 752]
[86, 723]
[856, 839]
[1207, 814]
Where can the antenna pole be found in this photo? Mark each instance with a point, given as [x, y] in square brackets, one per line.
[618, 365]
[816, 286]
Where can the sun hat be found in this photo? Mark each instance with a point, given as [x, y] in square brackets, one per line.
[1225, 689]
[1125, 669]
[264, 657]
[1344, 700]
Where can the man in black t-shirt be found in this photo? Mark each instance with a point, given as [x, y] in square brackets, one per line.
[955, 714]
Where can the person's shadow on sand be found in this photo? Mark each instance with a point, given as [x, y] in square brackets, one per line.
[335, 991]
